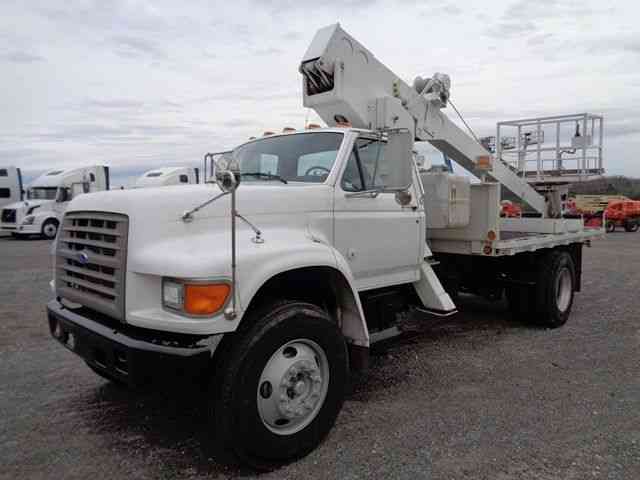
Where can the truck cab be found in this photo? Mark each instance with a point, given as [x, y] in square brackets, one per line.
[47, 198]
[11, 189]
[164, 176]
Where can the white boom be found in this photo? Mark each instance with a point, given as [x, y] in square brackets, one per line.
[344, 82]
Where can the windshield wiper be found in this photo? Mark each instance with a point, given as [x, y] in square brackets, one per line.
[270, 176]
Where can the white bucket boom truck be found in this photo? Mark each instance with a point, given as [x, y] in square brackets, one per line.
[275, 290]
[48, 197]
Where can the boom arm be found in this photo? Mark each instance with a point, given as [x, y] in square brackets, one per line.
[344, 82]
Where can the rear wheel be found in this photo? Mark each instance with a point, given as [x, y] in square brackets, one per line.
[50, 229]
[547, 303]
[631, 225]
[555, 289]
[280, 386]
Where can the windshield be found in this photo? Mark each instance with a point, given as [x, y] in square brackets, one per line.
[42, 193]
[306, 157]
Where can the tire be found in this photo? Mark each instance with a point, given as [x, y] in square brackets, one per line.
[631, 226]
[248, 421]
[50, 229]
[555, 289]
[547, 303]
[610, 226]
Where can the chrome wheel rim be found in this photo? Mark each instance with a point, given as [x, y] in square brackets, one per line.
[293, 386]
[50, 230]
[564, 289]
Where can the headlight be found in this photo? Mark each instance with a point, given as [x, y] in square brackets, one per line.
[28, 220]
[199, 298]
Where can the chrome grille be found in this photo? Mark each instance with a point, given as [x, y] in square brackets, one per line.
[91, 261]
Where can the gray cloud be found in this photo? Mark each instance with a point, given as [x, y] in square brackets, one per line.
[239, 122]
[284, 6]
[21, 57]
[267, 51]
[133, 47]
[114, 104]
[539, 39]
[509, 29]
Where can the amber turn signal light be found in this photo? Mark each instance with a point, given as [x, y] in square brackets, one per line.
[201, 299]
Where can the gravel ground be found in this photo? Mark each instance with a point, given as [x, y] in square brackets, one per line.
[477, 397]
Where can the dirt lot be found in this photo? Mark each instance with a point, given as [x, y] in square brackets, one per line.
[480, 396]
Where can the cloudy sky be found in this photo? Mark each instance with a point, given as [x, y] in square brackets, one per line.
[139, 83]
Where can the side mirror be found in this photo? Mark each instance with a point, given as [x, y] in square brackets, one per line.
[226, 173]
[400, 160]
[62, 195]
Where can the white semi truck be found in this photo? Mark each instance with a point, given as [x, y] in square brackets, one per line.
[168, 176]
[272, 280]
[47, 198]
[11, 189]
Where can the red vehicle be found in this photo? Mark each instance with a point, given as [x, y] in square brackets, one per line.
[625, 214]
[510, 209]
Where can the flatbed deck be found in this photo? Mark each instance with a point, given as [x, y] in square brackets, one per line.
[514, 236]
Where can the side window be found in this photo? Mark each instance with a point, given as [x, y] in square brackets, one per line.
[3, 172]
[184, 179]
[366, 168]
[269, 163]
[5, 192]
[316, 164]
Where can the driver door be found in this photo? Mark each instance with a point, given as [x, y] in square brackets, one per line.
[379, 238]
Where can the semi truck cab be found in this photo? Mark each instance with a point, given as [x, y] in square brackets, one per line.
[11, 189]
[47, 198]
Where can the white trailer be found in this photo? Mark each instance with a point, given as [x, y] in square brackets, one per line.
[11, 189]
[168, 176]
[274, 290]
[48, 197]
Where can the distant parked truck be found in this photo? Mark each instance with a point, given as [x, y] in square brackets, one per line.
[48, 197]
[168, 176]
[10, 185]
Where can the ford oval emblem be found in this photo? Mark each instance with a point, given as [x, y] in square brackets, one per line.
[82, 258]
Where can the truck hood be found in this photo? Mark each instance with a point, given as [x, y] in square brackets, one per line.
[167, 204]
[161, 243]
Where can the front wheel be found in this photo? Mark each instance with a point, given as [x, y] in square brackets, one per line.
[50, 229]
[280, 386]
[610, 226]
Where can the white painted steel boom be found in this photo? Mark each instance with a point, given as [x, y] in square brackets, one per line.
[344, 82]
